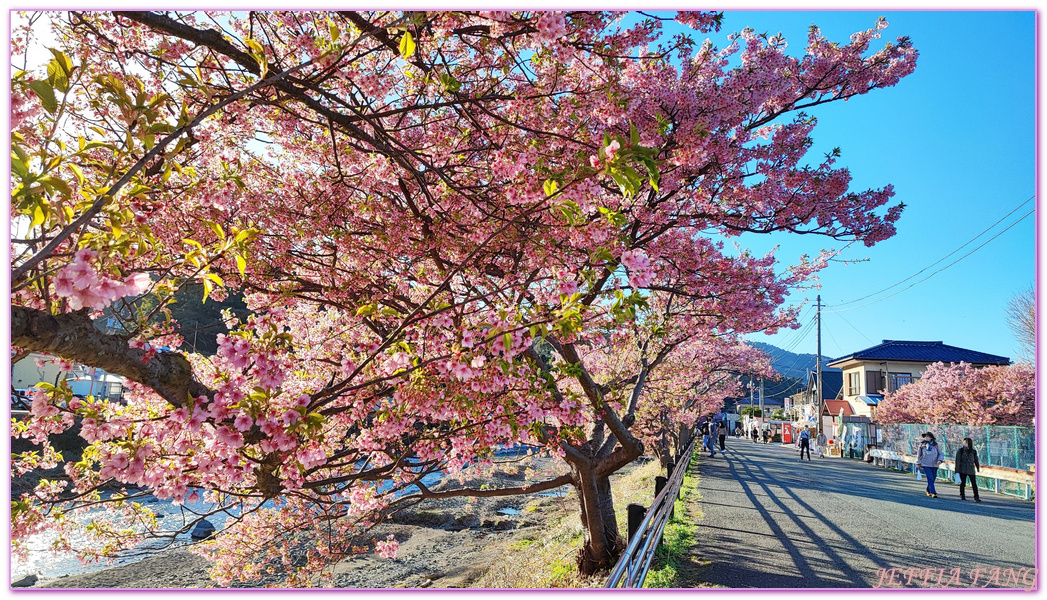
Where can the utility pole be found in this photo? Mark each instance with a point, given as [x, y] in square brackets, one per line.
[751, 415]
[762, 422]
[818, 366]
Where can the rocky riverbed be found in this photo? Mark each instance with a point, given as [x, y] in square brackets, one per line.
[446, 543]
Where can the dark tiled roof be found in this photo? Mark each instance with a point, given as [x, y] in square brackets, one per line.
[832, 380]
[924, 352]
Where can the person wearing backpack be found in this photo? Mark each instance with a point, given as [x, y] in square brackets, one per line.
[929, 456]
[966, 466]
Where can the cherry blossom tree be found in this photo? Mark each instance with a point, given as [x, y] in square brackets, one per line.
[961, 394]
[448, 226]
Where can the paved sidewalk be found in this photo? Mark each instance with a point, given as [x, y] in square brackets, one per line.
[771, 521]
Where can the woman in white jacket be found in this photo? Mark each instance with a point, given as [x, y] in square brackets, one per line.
[929, 457]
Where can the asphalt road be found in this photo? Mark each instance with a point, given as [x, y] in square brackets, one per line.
[771, 521]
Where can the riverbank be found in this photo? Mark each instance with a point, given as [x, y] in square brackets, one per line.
[516, 541]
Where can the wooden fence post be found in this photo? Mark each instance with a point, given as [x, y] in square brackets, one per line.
[636, 513]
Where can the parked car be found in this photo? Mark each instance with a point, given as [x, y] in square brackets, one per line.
[20, 400]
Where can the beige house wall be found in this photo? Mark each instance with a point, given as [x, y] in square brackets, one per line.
[916, 369]
[25, 374]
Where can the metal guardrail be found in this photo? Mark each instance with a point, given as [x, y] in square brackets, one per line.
[632, 567]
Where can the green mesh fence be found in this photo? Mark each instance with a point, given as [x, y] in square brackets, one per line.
[997, 446]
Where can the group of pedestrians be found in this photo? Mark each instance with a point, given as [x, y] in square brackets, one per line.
[756, 435]
[713, 432]
[930, 456]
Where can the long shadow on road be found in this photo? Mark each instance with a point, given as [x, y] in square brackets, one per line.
[771, 521]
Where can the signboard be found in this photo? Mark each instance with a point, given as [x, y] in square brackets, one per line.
[787, 433]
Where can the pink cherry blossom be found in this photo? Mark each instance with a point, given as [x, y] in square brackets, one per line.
[387, 548]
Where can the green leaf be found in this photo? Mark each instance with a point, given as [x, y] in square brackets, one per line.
[208, 287]
[652, 171]
[58, 185]
[63, 61]
[38, 216]
[215, 227]
[550, 187]
[622, 181]
[507, 341]
[258, 53]
[407, 45]
[215, 278]
[18, 163]
[241, 264]
[634, 136]
[43, 90]
[76, 171]
[58, 71]
[449, 83]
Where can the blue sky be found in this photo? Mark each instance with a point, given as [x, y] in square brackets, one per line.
[957, 140]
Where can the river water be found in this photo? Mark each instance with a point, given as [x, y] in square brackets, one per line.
[46, 563]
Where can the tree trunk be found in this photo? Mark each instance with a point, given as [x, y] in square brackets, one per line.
[684, 439]
[664, 450]
[604, 544]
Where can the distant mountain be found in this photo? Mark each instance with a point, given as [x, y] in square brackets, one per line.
[791, 365]
[793, 369]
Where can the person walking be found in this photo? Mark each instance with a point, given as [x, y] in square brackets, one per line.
[723, 436]
[714, 432]
[805, 443]
[820, 442]
[756, 433]
[929, 456]
[966, 466]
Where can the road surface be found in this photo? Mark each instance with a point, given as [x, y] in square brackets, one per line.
[771, 521]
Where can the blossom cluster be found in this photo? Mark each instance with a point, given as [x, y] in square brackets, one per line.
[962, 394]
[83, 286]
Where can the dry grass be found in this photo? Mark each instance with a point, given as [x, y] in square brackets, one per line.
[548, 559]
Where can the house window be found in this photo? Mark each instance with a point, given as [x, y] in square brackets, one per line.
[854, 384]
[874, 382]
[900, 379]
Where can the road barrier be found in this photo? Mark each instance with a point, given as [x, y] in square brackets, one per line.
[646, 526]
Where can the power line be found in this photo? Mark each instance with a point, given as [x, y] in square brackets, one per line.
[796, 332]
[941, 269]
[838, 347]
[856, 329]
[806, 331]
[967, 243]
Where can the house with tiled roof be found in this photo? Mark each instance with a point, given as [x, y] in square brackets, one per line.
[868, 373]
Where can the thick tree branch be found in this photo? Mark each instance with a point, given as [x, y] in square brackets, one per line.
[592, 391]
[73, 336]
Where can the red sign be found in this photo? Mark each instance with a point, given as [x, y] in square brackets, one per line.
[787, 433]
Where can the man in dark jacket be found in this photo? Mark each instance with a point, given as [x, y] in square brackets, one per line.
[966, 466]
